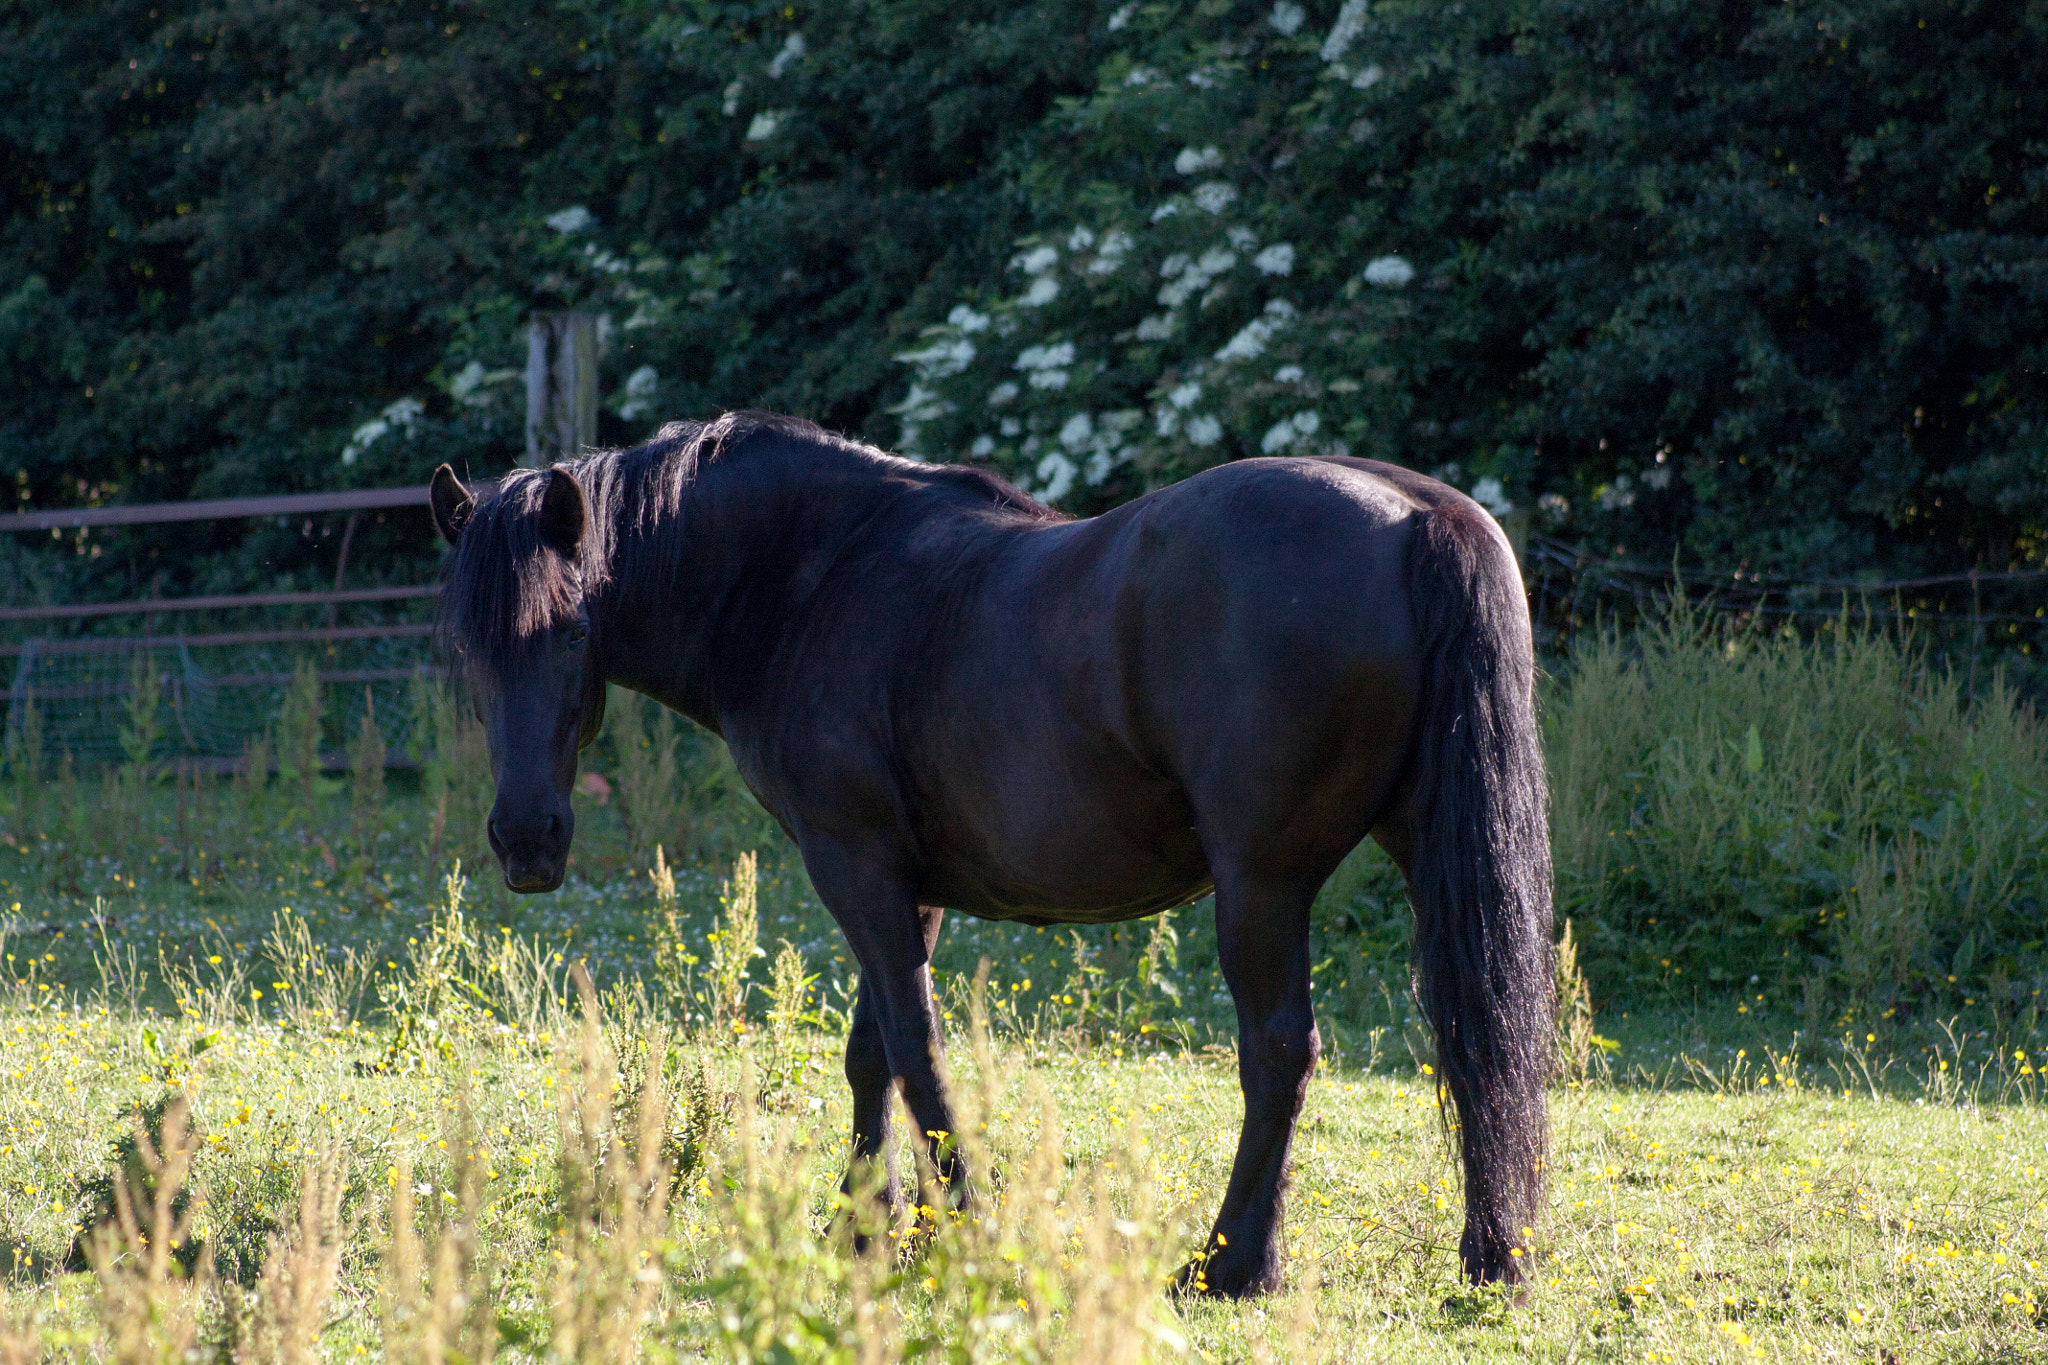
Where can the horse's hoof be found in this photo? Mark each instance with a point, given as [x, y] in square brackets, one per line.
[1220, 1275]
[1506, 1280]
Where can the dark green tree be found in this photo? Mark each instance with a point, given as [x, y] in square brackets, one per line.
[261, 247]
[1763, 283]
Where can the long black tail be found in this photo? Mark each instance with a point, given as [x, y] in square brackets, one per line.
[1480, 881]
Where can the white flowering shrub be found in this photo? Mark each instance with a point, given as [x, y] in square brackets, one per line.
[1201, 305]
[635, 294]
[1762, 284]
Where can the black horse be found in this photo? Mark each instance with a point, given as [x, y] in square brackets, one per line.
[950, 695]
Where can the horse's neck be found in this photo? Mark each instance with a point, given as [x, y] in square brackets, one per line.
[755, 531]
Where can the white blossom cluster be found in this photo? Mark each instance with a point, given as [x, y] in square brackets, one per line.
[402, 416]
[591, 277]
[1061, 443]
[1188, 326]
[1169, 334]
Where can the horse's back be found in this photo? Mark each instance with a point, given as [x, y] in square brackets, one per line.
[1227, 662]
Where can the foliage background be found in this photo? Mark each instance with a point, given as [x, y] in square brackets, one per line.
[1762, 284]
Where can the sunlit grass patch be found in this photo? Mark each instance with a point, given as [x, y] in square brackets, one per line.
[1774, 1222]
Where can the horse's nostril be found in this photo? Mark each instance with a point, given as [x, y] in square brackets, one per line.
[554, 823]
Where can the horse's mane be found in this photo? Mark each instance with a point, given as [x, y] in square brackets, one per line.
[504, 584]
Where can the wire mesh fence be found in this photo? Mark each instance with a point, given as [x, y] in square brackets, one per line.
[85, 701]
[1975, 623]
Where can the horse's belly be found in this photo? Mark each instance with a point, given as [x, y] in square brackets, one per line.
[1016, 904]
[1025, 905]
[1121, 851]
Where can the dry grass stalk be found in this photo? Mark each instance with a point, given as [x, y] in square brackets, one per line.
[1573, 1013]
[1088, 1273]
[779, 1290]
[1113, 1288]
[21, 1341]
[300, 1272]
[149, 1307]
[1299, 1333]
[613, 1200]
[434, 1315]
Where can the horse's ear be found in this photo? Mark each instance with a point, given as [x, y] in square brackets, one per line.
[561, 513]
[452, 503]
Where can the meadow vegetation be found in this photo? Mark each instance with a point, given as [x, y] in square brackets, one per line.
[1831, 822]
[279, 1082]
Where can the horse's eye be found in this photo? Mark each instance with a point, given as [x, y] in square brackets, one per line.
[578, 634]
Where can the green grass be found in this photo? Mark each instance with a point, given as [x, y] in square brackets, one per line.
[1776, 1216]
[1702, 1206]
[1797, 1139]
[1850, 828]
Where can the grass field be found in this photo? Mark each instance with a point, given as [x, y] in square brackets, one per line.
[1714, 1195]
[1803, 1120]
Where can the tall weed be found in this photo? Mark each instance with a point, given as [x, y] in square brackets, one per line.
[1734, 808]
[734, 945]
[613, 1199]
[645, 738]
[675, 966]
[153, 1290]
[365, 795]
[439, 1309]
[317, 990]
[458, 984]
[1055, 1262]
[301, 1270]
[454, 771]
[252, 780]
[25, 759]
[298, 736]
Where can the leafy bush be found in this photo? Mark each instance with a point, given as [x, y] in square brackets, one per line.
[1743, 278]
[1764, 281]
[271, 246]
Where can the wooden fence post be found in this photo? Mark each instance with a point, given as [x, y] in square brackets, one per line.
[561, 387]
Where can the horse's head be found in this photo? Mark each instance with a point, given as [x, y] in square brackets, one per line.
[514, 606]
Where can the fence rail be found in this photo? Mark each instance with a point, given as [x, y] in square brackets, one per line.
[214, 509]
[149, 606]
[1983, 624]
[114, 644]
[1568, 557]
[1590, 578]
[120, 687]
[88, 686]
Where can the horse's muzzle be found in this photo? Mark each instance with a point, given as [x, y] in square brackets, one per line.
[534, 852]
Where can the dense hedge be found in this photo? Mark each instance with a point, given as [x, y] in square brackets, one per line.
[1762, 282]
[238, 232]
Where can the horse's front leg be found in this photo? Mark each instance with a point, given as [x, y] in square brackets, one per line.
[1262, 934]
[869, 1077]
[896, 1039]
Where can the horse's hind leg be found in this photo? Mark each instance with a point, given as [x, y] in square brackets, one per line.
[917, 1054]
[1262, 933]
